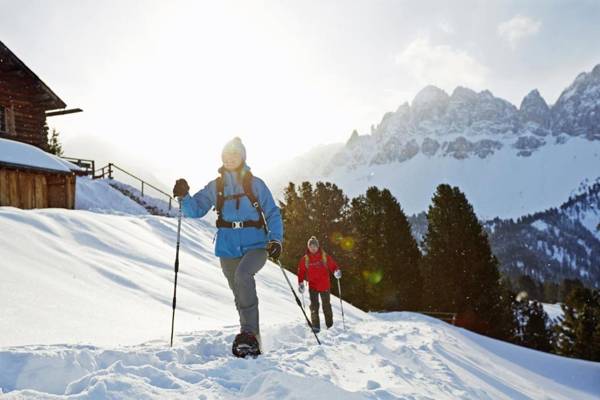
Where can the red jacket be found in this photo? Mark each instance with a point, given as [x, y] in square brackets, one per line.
[318, 270]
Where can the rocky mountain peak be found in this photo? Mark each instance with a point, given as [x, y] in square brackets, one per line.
[577, 110]
[430, 95]
[429, 104]
[534, 109]
[463, 94]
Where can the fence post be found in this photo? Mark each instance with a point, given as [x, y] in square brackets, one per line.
[110, 171]
[169, 203]
[142, 188]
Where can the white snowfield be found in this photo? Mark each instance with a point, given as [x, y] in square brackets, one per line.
[525, 184]
[86, 313]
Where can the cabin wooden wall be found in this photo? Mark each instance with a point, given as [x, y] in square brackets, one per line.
[27, 190]
[30, 119]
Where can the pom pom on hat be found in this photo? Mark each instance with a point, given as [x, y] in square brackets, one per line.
[235, 145]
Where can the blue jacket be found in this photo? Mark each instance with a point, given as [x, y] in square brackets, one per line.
[234, 243]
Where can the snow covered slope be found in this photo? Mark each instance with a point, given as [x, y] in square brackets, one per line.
[503, 185]
[393, 356]
[86, 312]
[83, 277]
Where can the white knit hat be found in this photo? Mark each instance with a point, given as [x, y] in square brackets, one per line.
[235, 145]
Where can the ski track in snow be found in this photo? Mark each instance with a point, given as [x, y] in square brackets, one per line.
[102, 285]
[385, 356]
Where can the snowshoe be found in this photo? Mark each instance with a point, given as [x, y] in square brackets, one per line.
[246, 345]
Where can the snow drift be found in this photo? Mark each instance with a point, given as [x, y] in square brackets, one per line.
[86, 310]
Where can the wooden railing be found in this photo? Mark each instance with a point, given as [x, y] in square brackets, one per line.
[108, 170]
[88, 166]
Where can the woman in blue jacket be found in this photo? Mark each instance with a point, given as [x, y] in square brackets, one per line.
[249, 229]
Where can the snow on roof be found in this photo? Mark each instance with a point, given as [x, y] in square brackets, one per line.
[26, 155]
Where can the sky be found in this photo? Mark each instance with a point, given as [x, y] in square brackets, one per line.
[164, 85]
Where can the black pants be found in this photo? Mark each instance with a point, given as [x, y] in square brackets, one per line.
[314, 308]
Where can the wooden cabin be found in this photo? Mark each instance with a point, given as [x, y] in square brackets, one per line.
[32, 178]
[25, 102]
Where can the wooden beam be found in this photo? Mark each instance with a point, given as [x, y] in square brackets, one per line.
[63, 112]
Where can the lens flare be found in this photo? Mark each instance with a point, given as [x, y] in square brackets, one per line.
[372, 277]
[347, 243]
[337, 238]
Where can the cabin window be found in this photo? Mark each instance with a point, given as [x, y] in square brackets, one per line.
[2, 119]
[7, 120]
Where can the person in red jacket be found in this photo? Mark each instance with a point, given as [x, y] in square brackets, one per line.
[314, 267]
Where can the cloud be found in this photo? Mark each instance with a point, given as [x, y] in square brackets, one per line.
[518, 28]
[441, 65]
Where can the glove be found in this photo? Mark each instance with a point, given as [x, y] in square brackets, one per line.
[274, 249]
[337, 273]
[301, 287]
[181, 188]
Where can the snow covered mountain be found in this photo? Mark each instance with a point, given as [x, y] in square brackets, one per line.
[86, 311]
[555, 244]
[559, 243]
[510, 161]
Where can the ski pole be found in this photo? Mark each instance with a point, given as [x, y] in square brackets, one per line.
[341, 303]
[176, 271]
[297, 300]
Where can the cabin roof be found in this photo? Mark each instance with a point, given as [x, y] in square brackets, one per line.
[22, 155]
[10, 64]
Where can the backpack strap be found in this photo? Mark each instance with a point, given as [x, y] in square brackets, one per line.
[220, 186]
[247, 185]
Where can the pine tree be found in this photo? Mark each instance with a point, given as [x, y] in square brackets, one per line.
[307, 211]
[551, 290]
[527, 284]
[460, 272]
[54, 146]
[578, 334]
[533, 330]
[386, 253]
[297, 224]
[566, 288]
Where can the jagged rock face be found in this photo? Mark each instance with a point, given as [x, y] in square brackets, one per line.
[462, 148]
[429, 106]
[534, 109]
[430, 147]
[470, 124]
[577, 111]
[486, 147]
[394, 124]
[396, 150]
[494, 116]
[527, 145]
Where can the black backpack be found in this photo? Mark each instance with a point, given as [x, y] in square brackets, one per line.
[247, 185]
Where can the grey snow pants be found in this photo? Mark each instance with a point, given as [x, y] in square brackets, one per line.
[240, 277]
